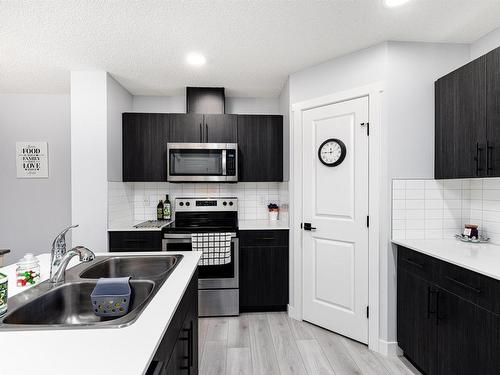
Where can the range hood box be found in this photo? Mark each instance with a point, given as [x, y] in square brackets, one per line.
[207, 100]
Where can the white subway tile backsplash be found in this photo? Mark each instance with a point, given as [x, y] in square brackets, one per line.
[399, 184]
[433, 194]
[414, 194]
[398, 194]
[433, 209]
[415, 184]
[415, 204]
[133, 202]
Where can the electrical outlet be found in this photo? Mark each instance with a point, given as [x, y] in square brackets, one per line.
[147, 201]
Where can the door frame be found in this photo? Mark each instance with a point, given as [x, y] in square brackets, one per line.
[375, 93]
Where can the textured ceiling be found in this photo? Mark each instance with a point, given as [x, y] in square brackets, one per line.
[251, 46]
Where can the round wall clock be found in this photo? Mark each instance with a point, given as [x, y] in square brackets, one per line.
[332, 152]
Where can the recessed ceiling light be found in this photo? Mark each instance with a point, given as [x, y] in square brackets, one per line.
[196, 59]
[394, 3]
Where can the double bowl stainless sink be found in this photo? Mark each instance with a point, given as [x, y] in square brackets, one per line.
[46, 306]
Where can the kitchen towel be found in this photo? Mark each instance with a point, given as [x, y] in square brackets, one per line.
[216, 248]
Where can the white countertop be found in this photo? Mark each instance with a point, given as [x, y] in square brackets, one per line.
[263, 224]
[483, 258]
[128, 226]
[127, 350]
[242, 224]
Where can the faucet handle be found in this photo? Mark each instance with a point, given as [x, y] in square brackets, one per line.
[60, 239]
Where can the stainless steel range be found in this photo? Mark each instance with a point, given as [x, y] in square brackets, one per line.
[218, 283]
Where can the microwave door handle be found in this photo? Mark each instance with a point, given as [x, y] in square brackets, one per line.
[224, 156]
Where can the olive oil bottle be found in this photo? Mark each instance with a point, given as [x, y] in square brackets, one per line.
[159, 210]
[167, 211]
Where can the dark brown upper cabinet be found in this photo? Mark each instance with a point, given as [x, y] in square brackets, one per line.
[260, 141]
[493, 113]
[221, 128]
[145, 137]
[460, 138]
[197, 128]
[467, 134]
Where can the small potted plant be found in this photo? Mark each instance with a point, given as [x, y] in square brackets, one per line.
[273, 211]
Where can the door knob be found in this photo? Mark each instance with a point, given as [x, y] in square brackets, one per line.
[308, 227]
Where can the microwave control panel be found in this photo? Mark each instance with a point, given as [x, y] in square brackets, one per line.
[231, 162]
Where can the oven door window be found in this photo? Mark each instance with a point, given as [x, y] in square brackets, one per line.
[193, 162]
[220, 271]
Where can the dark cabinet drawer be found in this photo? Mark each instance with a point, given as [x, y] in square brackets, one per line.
[135, 241]
[417, 263]
[479, 289]
[263, 238]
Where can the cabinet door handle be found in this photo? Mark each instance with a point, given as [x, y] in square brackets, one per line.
[265, 238]
[191, 344]
[489, 152]
[430, 293]
[201, 133]
[206, 133]
[478, 158]
[463, 285]
[411, 262]
[437, 307]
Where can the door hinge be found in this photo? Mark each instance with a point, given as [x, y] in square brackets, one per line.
[367, 312]
[368, 221]
[367, 125]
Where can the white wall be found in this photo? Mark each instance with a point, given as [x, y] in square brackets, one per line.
[159, 104]
[409, 71]
[485, 44]
[33, 211]
[119, 101]
[89, 158]
[177, 104]
[353, 70]
[262, 106]
[284, 109]
[97, 102]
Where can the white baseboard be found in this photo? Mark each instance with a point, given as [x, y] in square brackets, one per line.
[389, 348]
[292, 313]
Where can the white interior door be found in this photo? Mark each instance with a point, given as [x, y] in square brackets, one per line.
[335, 202]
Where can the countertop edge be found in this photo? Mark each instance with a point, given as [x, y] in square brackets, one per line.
[424, 249]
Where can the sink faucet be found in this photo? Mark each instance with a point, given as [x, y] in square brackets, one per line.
[85, 256]
[58, 250]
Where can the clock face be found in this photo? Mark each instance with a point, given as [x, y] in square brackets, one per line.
[332, 152]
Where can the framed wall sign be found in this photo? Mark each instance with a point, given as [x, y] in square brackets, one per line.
[32, 160]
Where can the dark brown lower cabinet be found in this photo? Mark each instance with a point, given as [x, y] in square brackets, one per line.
[443, 326]
[415, 315]
[263, 270]
[463, 332]
[125, 241]
[178, 351]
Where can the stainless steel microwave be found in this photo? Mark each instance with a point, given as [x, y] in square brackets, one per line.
[202, 162]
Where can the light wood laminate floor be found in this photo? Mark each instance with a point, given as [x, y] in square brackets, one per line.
[274, 344]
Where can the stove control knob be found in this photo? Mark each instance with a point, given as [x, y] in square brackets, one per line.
[224, 203]
[181, 204]
[188, 204]
[230, 203]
